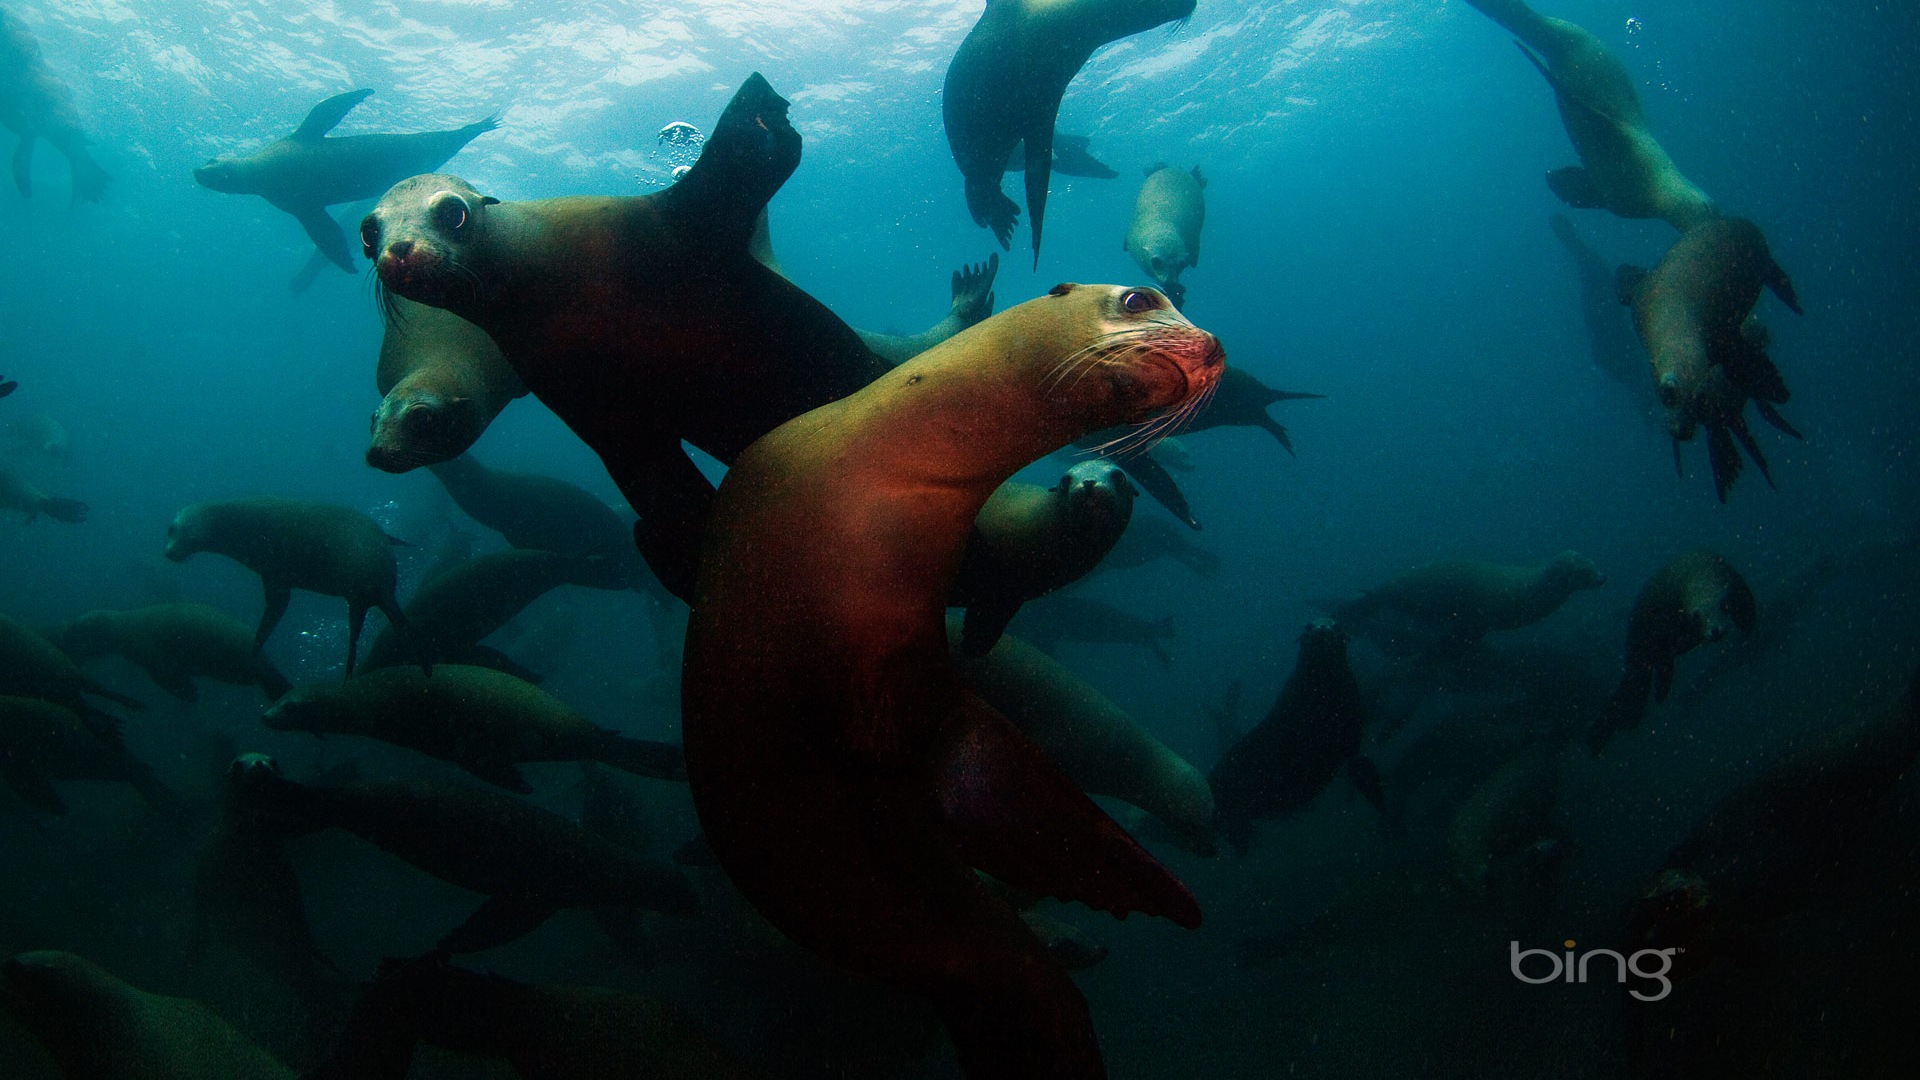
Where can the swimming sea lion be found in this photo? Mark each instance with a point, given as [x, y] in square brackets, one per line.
[534, 512]
[972, 301]
[174, 644]
[1061, 618]
[485, 721]
[529, 862]
[1164, 235]
[333, 550]
[35, 104]
[1004, 87]
[97, 1027]
[17, 494]
[41, 435]
[1312, 732]
[1697, 598]
[305, 172]
[1442, 610]
[1100, 748]
[1242, 402]
[652, 302]
[1691, 311]
[1501, 841]
[1623, 168]
[7, 386]
[32, 666]
[1610, 339]
[1072, 156]
[845, 781]
[41, 742]
[442, 380]
[1030, 540]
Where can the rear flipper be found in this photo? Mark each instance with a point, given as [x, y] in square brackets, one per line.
[1015, 815]
[1274, 428]
[327, 236]
[1575, 187]
[1738, 425]
[1725, 459]
[1624, 709]
[991, 209]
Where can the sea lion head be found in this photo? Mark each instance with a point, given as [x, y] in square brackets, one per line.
[1723, 603]
[1146, 363]
[187, 533]
[418, 235]
[1099, 496]
[301, 709]
[1573, 572]
[414, 426]
[1323, 640]
[88, 637]
[229, 175]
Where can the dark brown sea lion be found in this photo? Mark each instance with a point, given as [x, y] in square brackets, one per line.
[485, 721]
[605, 306]
[1242, 401]
[174, 644]
[1442, 610]
[1691, 311]
[1623, 168]
[333, 550]
[17, 494]
[1313, 731]
[305, 172]
[529, 862]
[846, 782]
[1004, 87]
[1695, 599]
[442, 380]
[1060, 618]
[35, 105]
[32, 666]
[41, 742]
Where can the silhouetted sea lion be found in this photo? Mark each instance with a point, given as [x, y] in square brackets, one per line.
[41, 435]
[442, 380]
[41, 742]
[845, 781]
[1623, 168]
[35, 105]
[1004, 87]
[305, 172]
[1697, 598]
[17, 494]
[32, 666]
[1442, 610]
[1691, 311]
[1151, 538]
[1164, 235]
[605, 306]
[174, 644]
[1312, 732]
[333, 550]
[485, 721]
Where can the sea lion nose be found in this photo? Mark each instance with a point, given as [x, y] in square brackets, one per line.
[399, 250]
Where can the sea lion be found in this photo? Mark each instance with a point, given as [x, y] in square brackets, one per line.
[442, 380]
[453, 611]
[305, 172]
[485, 721]
[1442, 610]
[651, 302]
[7, 386]
[1611, 344]
[1078, 618]
[544, 1032]
[1312, 732]
[35, 104]
[529, 862]
[972, 301]
[534, 512]
[1072, 156]
[97, 1027]
[17, 494]
[1004, 87]
[1695, 599]
[1102, 749]
[845, 781]
[41, 435]
[174, 644]
[1691, 312]
[32, 666]
[1242, 401]
[1029, 541]
[41, 742]
[1502, 845]
[333, 550]
[1164, 235]
[1622, 167]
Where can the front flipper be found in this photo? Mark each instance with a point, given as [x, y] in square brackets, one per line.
[1738, 425]
[1014, 814]
[973, 290]
[1155, 480]
[752, 151]
[1039, 173]
[326, 235]
[1772, 416]
[327, 115]
[1574, 186]
[501, 919]
[278, 596]
[23, 165]
[990, 207]
[672, 497]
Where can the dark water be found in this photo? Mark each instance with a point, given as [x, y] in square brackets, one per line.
[1377, 232]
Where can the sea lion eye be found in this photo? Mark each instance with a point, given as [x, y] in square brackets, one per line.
[449, 212]
[369, 235]
[1138, 301]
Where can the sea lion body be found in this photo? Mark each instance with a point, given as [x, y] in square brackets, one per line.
[41, 742]
[305, 172]
[533, 512]
[332, 550]
[1691, 312]
[1102, 749]
[32, 666]
[97, 1027]
[1623, 168]
[825, 729]
[1004, 87]
[35, 104]
[528, 861]
[1444, 609]
[1695, 599]
[1029, 541]
[1314, 730]
[174, 644]
[41, 435]
[1164, 235]
[1077, 618]
[484, 721]
[17, 494]
[442, 380]
[653, 302]
[1503, 827]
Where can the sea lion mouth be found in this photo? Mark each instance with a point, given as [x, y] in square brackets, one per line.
[1178, 368]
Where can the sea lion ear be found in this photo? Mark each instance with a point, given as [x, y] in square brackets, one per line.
[1062, 289]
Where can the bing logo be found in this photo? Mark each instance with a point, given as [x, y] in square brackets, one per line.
[1573, 967]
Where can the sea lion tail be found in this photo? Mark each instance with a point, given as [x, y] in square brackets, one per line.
[72, 511]
[754, 148]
